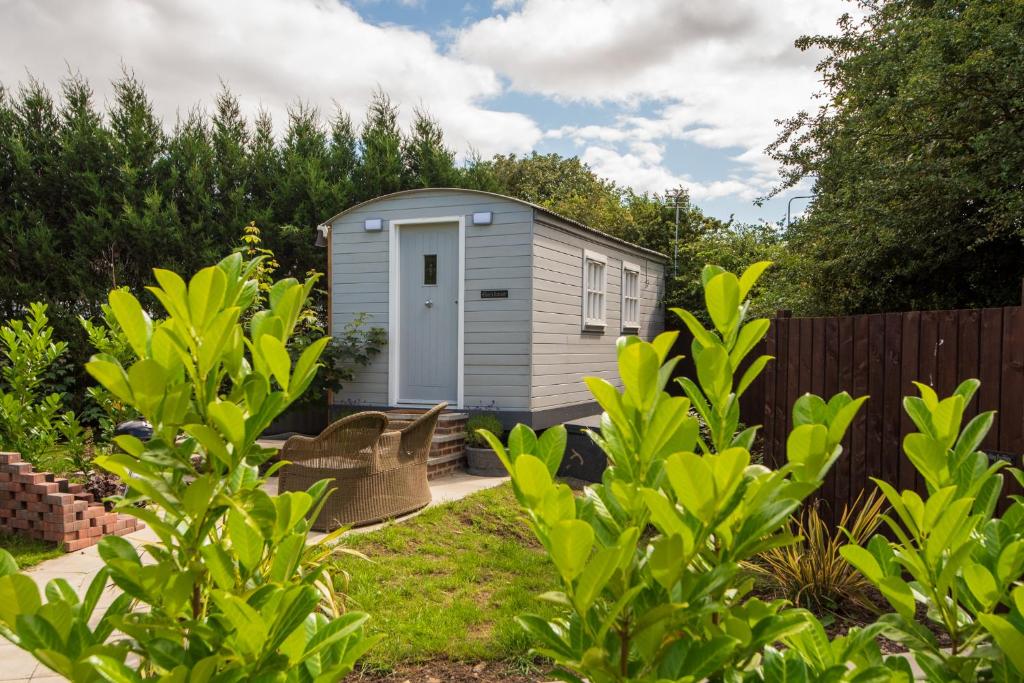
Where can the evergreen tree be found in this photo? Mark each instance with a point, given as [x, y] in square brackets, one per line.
[426, 160]
[230, 137]
[342, 157]
[305, 196]
[380, 164]
[190, 189]
[92, 263]
[147, 229]
[263, 169]
[138, 139]
[33, 200]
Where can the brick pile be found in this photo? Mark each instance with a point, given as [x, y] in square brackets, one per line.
[42, 506]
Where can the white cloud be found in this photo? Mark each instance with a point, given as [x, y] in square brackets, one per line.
[715, 73]
[719, 73]
[642, 167]
[270, 52]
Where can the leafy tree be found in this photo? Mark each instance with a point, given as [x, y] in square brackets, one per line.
[478, 174]
[735, 247]
[380, 165]
[563, 184]
[915, 154]
[427, 161]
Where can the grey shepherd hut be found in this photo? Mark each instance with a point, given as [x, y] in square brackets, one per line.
[490, 303]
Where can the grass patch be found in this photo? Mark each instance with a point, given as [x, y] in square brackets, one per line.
[28, 551]
[450, 582]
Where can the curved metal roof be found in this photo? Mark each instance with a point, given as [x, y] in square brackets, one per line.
[535, 207]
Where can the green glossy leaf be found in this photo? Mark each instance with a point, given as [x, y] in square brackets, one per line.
[570, 544]
[722, 295]
[134, 322]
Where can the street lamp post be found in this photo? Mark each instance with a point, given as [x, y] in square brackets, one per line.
[789, 205]
[675, 242]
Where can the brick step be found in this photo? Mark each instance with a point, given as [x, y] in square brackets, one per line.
[448, 447]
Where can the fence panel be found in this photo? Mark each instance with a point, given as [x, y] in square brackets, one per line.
[882, 355]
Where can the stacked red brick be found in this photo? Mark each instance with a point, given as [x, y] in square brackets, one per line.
[447, 452]
[43, 506]
[448, 448]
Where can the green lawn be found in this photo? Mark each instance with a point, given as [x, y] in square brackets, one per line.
[27, 551]
[449, 583]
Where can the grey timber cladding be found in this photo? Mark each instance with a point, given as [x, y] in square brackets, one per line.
[563, 353]
[497, 345]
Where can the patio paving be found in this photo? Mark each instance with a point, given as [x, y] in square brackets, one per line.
[80, 567]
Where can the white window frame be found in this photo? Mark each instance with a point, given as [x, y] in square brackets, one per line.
[594, 320]
[630, 324]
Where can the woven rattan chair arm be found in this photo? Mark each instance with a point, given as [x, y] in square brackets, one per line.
[299, 447]
[416, 436]
[368, 417]
[385, 451]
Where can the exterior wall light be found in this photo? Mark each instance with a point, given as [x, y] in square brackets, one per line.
[483, 218]
[373, 224]
[321, 234]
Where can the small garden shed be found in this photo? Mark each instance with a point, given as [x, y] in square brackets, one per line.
[491, 303]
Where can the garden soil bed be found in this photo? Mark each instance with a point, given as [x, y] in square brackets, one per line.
[445, 671]
[849, 616]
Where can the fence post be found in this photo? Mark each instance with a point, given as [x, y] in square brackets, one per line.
[783, 313]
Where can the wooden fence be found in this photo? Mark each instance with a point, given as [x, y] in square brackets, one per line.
[881, 355]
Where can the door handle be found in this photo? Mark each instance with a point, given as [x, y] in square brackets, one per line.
[428, 303]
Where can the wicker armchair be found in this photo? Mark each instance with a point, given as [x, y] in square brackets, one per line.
[370, 479]
[415, 439]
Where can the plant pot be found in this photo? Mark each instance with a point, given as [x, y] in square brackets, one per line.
[484, 462]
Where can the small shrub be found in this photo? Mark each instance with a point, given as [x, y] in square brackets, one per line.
[652, 587]
[31, 421]
[952, 554]
[105, 409]
[812, 572]
[487, 421]
[103, 485]
[356, 345]
[231, 591]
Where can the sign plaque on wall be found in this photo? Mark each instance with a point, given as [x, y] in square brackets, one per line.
[493, 293]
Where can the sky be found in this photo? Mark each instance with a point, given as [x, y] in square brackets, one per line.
[653, 94]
